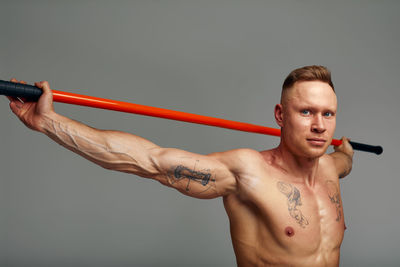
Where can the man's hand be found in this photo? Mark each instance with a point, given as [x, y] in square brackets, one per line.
[33, 113]
[345, 147]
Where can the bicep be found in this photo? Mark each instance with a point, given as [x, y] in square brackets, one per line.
[195, 175]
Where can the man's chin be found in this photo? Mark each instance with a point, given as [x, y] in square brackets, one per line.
[315, 151]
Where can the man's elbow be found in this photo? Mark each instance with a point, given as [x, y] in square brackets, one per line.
[344, 174]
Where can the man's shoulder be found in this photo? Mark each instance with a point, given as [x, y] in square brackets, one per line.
[327, 161]
[328, 167]
[240, 157]
[252, 156]
[337, 165]
[246, 153]
[239, 154]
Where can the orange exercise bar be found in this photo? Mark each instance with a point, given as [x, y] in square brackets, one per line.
[95, 102]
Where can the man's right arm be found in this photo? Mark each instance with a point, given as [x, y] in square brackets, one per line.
[195, 175]
[201, 176]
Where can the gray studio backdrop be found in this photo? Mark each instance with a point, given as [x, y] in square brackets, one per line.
[218, 58]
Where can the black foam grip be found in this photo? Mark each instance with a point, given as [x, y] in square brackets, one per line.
[367, 148]
[27, 91]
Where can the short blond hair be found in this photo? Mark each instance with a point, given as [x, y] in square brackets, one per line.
[308, 73]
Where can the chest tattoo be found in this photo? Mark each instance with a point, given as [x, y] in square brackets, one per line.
[334, 196]
[293, 201]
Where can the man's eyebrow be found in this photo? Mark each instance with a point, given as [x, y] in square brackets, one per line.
[313, 108]
[333, 110]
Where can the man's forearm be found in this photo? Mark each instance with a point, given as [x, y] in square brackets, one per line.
[345, 160]
[110, 149]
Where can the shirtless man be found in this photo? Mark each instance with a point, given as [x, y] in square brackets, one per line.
[283, 204]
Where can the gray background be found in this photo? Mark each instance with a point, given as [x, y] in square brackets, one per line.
[219, 58]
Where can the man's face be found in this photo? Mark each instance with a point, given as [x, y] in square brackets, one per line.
[308, 118]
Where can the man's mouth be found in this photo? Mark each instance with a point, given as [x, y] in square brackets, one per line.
[316, 141]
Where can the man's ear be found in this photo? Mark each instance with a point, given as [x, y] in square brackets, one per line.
[279, 114]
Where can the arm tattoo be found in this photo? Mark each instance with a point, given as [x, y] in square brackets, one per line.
[293, 201]
[182, 173]
[334, 196]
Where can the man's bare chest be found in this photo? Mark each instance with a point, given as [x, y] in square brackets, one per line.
[296, 215]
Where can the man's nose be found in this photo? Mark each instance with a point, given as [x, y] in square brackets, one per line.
[318, 125]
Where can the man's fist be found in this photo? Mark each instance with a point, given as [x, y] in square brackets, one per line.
[32, 113]
[345, 147]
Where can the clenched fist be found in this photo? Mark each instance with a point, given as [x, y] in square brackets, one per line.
[32, 114]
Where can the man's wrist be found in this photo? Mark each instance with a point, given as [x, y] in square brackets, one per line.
[46, 122]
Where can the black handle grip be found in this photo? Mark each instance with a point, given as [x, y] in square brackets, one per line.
[30, 92]
[367, 148]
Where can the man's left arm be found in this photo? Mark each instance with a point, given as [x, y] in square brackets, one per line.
[343, 158]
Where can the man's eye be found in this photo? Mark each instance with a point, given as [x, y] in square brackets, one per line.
[305, 112]
[328, 114]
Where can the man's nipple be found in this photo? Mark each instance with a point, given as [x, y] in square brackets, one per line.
[289, 231]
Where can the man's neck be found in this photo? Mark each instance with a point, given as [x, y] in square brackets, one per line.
[302, 169]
